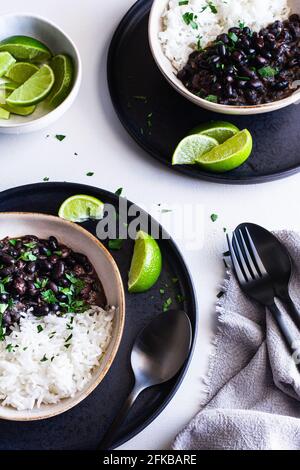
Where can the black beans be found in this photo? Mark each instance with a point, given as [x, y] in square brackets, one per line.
[58, 270]
[53, 244]
[45, 265]
[39, 284]
[41, 310]
[244, 68]
[6, 259]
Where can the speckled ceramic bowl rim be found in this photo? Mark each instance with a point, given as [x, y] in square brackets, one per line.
[168, 71]
[119, 333]
[63, 107]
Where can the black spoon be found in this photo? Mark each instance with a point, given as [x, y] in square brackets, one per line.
[278, 264]
[158, 354]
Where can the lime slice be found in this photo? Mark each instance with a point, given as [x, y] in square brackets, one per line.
[6, 61]
[219, 130]
[21, 71]
[8, 87]
[232, 154]
[192, 147]
[19, 110]
[4, 114]
[26, 48]
[34, 90]
[146, 264]
[81, 207]
[62, 66]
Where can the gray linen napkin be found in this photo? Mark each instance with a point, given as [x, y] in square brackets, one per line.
[253, 386]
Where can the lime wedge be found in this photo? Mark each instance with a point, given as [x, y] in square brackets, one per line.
[34, 90]
[4, 114]
[219, 130]
[21, 71]
[8, 87]
[146, 264]
[191, 148]
[19, 110]
[232, 154]
[26, 48]
[6, 61]
[62, 66]
[81, 207]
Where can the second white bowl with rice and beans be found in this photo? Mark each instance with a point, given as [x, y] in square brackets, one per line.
[62, 315]
[196, 42]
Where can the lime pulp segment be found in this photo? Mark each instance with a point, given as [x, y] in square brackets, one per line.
[26, 48]
[62, 66]
[191, 148]
[81, 207]
[34, 90]
[219, 130]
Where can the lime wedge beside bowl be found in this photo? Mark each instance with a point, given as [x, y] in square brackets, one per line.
[229, 155]
[26, 48]
[191, 148]
[81, 207]
[34, 90]
[62, 66]
[21, 71]
[146, 264]
[219, 130]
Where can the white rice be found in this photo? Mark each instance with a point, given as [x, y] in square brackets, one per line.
[37, 366]
[179, 39]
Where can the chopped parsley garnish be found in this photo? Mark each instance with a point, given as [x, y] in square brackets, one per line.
[115, 244]
[242, 24]
[119, 191]
[13, 241]
[44, 358]
[41, 283]
[211, 6]
[140, 98]
[30, 245]
[90, 173]
[214, 217]
[233, 37]
[268, 72]
[180, 298]
[60, 137]
[3, 308]
[183, 2]
[220, 294]
[39, 328]
[28, 256]
[162, 291]
[212, 98]
[69, 338]
[149, 120]
[198, 44]
[49, 297]
[189, 19]
[9, 348]
[46, 178]
[167, 304]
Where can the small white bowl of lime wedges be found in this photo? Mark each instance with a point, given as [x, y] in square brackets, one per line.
[40, 73]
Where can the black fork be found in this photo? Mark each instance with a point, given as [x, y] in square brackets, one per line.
[255, 281]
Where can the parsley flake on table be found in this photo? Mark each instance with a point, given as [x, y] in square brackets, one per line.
[167, 304]
[90, 173]
[39, 328]
[46, 178]
[214, 217]
[119, 191]
[60, 137]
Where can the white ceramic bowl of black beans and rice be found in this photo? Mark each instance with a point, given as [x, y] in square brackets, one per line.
[281, 52]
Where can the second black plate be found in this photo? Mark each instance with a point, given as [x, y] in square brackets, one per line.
[157, 117]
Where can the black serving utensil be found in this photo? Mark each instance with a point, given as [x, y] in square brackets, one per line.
[255, 281]
[159, 352]
[277, 262]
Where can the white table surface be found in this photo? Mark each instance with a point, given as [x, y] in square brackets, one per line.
[94, 132]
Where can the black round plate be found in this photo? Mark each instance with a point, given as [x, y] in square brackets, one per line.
[84, 426]
[157, 117]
